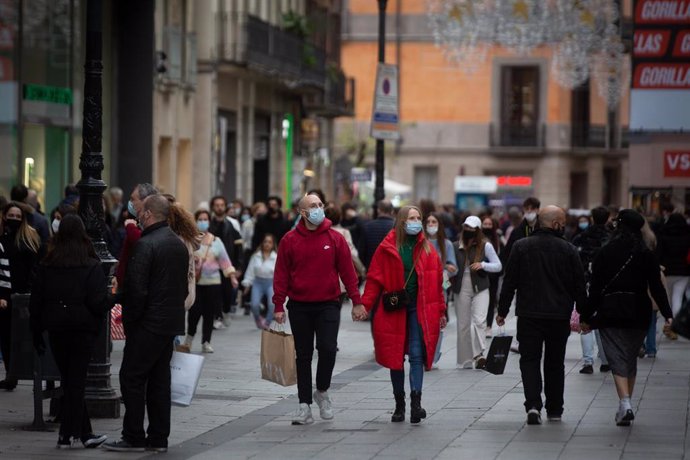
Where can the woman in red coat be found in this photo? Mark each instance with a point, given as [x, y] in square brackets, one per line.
[406, 260]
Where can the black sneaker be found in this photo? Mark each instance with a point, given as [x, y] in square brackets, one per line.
[553, 417]
[92, 441]
[64, 443]
[534, 417]
[156, 449]
[122, 446]
[587, 369]
[604, 368]
[8, 385]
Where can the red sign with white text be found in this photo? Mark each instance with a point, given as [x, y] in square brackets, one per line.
[682, 48]
[661, 75]
[651, 42]
[662, 12]
[677, 163]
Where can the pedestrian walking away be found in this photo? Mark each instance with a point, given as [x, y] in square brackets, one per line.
[69, 299]
[153, 313]
[623, 273]
[545, 272]
[476, 259]
[406, 265]
[311, 259]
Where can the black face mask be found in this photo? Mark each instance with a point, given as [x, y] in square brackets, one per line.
[13, 225]
[488, 231]
[468, 235]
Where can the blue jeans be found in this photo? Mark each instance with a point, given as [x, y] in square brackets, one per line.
[261, 287]
[650, 341]
[587, 342]
[415, 355]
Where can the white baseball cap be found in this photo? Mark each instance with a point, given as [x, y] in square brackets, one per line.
[473, 222]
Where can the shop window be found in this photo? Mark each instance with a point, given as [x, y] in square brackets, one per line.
[426, 183]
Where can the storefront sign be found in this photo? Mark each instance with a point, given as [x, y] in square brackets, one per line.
[677, 163]
[51, 94]
[385, 118]
[660, 92]
[476, 184]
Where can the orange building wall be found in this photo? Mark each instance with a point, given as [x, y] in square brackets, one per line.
[433, 89]
[372, 6]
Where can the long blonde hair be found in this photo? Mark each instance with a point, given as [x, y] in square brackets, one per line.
[26, 235]
[399, 227]
[182, 223]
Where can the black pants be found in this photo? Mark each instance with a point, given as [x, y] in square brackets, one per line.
[228, 297]
[208, 301]
[307, 321]
[5, 336]
[551, 335]
[145, 386]
[72, 351]
[493, 298]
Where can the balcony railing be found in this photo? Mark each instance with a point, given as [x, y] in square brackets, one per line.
[589, 136]
[275, 52]
[517, 135]
[337, 100]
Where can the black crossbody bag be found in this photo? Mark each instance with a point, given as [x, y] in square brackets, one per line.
[398, 300]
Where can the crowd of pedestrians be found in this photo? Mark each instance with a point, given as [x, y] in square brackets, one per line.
[402, 270]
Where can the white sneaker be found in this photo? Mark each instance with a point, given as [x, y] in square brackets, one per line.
[303, 415]
[218, 324]
[325, 404]
[206, 348]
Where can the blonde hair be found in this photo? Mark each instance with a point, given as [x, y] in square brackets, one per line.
[26, 235]
[399, 227]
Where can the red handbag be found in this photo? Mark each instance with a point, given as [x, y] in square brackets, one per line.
[117, 330]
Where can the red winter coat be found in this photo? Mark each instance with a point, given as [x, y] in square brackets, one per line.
[386, 273]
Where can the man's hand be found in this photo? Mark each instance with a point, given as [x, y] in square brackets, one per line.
[3, 304]
[451, 268]
[444, 322]
[500, 320]
[359, 313]
[279, 317]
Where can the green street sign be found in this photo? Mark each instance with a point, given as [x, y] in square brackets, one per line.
[52, 94]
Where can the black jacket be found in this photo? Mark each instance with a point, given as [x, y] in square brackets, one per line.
[276, 225]
[232, 240]
[642, 275]
[589, 242]
[69, 299]
[521, 231]
[22, 261]
[155, 284]
[547, 273]
[374, 232]
[673, 244]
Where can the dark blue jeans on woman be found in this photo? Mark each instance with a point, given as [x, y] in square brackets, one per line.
[415, 355]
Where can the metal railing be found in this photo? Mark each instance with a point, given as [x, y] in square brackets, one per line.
[517, 135]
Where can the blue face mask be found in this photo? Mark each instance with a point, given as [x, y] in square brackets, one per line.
[583, 225]
[316, 216]
[413, 228]
[131, 209]
[245, 217]
[202, 225]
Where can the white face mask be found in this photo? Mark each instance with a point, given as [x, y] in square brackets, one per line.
[55, 225]
[432, 230]
[531, 216]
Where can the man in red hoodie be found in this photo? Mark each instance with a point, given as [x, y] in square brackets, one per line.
[311, 259]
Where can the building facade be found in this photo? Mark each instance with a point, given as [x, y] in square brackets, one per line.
[509, 119]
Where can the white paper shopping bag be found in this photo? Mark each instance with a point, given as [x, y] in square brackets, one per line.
[185, 370]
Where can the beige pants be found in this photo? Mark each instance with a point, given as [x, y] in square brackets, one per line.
[470, 309]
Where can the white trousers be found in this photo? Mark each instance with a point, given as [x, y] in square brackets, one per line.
[675, 289]
[470, 309]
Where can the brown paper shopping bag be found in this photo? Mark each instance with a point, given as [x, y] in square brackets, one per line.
[278, 362]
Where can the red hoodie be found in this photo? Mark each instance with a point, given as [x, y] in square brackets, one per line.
[308, 266]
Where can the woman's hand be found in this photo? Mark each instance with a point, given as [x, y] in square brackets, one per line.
[359, 313]
[3, 304]
[476, 266]
[585, 328]
[233, 280]
[444, 322]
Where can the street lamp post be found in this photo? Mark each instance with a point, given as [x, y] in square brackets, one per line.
[101, 399]
[379, 193]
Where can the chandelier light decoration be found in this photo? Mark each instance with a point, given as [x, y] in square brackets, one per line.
[583, 35]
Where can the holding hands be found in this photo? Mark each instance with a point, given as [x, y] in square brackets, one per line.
[359, 313]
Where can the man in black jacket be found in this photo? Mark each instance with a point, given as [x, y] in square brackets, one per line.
[153, 313]
[228, 230]
[272, 222]
[375, 231]
[547, 274]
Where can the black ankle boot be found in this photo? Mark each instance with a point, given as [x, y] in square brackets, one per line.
[416, 411]
[399, 413]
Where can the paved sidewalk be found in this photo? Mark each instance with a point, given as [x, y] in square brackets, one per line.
[471, 414]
